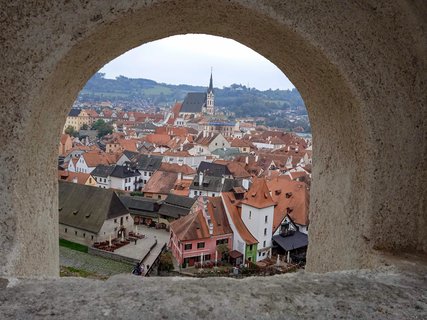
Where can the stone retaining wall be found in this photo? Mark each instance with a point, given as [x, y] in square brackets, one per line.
[111, 255]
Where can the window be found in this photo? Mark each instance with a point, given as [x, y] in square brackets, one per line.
[127, 218]
[213, 194]
[264, 244]
[251, 247]
[266, 219]
[145, 173]
[222, 241]
[265, 231]
[150, 174]
[250, 214]
[75, 232]
[65, 230]
[159, 196]
[195, 193]
[200, 245]
[188, 246]
[249, 258]
[84, 235]
[91, 237]
[259, 254]
[115, 220]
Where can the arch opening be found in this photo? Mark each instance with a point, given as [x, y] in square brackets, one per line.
[256, 138]
[347, 208]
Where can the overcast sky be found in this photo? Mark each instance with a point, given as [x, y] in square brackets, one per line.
[187, 59]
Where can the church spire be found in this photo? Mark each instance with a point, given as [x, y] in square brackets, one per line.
[210, 89]
[210, 106]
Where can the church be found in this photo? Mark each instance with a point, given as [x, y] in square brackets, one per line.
[198, 103]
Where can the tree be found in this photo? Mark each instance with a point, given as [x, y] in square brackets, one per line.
[71, 131]
[84, 127]
[223, 250]
[102, 127]
[165, 262]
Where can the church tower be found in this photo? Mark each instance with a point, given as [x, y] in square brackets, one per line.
[210, 107]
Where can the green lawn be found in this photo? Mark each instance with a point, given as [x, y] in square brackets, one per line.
[74, 272]
[73, 245]
[157, 90]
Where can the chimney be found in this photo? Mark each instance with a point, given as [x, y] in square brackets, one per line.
[200, 178]
[222, 180]
[75, 180]
[256, 158]
[179, 176]
[247, 160]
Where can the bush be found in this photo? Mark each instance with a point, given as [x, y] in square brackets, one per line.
[165, 262]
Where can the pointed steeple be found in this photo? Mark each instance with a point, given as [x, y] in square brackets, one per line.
[210, 105]
[210, 89]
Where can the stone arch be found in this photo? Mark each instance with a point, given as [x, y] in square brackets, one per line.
[356, 65]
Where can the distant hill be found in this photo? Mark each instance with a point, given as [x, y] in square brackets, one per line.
[241, 100]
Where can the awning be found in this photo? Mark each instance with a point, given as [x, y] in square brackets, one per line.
[292, 242]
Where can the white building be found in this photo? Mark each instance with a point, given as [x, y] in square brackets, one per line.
[257, 215]
[88, 214]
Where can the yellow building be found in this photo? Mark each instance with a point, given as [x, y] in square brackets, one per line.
[77, 118]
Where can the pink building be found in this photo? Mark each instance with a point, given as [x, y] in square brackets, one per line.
[196, 236]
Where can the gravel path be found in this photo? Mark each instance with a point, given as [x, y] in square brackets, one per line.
[85, 261]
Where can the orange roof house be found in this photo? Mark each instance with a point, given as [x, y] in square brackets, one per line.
[258, 195]
[198, 233]
[160, 184]
[77, 177]
[65, 144]
[234, 211]
[292, 198]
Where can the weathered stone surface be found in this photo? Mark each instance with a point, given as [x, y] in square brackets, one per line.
[360, 67]
[388, 293]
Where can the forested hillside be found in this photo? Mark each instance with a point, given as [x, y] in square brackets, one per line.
[235, 98]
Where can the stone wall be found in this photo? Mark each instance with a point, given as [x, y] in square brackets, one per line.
[360, 67]
[111, 255]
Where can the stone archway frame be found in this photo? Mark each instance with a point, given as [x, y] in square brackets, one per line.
[355, 64]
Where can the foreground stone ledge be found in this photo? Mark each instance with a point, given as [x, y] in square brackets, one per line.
[386, 293]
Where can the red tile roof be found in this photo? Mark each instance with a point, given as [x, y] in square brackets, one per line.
[289, 194]
[231, 204]
[159, 139]
[94, 158]
[69, 176]
[194, 225]
[258, 195]
[174, 167]
[161, 182]
[190, 227]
